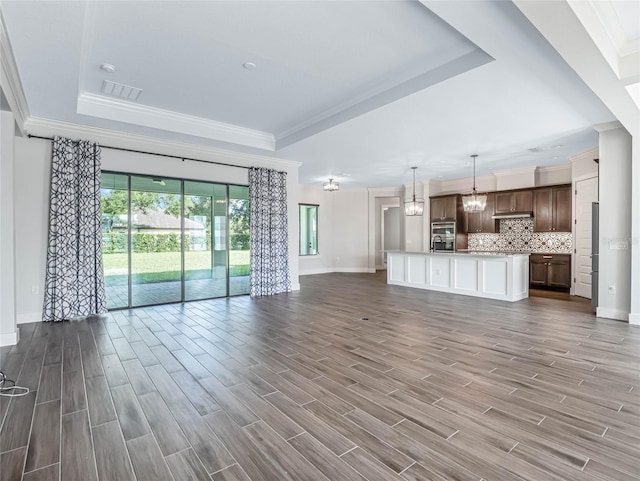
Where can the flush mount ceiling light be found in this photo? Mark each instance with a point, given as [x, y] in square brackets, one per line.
[414, 206]
[249, 65]
[474, 202]
[330, 186]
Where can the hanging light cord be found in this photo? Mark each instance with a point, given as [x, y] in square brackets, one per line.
[414, 183]
[474, 173]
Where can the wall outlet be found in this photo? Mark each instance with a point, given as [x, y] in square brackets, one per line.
[437, 272]
[35, 290]
[611, 290]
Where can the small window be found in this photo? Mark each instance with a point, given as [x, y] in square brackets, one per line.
[308, 230]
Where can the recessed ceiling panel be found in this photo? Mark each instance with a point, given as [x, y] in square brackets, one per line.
[312, 59]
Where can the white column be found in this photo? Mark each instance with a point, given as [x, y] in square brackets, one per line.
[614, 290]
[426, 218]
[634, 315]
[9, 332]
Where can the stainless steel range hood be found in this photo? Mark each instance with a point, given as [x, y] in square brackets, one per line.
[513, 215]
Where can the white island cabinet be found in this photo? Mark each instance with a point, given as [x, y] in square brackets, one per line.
[494, 276]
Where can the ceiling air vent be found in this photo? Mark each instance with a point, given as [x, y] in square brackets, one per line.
[120, 90]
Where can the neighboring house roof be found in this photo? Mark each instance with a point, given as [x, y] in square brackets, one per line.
[158, 219]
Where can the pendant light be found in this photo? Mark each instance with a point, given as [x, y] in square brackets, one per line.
[330, 186]
[414, 206]
[474, 202]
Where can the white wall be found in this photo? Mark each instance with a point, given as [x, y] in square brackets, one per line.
[634, 314]
[506, 180]
[516, 179]
[583, 165]
[615, 224]
[32, 169]
[553, 175]
[343, 239]
[350, 228]
[9, 333]
[323, 262]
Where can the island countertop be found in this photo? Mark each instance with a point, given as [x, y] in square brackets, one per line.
[463, 253]
[494, 275]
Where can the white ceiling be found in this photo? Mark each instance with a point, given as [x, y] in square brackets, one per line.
[360, 91]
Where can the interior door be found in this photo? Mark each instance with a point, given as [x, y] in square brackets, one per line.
[586, 193]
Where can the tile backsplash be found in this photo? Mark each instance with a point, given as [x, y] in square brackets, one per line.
[518, 235]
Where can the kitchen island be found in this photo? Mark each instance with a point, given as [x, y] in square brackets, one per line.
[502, 276]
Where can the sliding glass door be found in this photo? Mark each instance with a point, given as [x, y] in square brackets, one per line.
[169, 240]
[205, 255]
[156, 241]
[239, 231]
[115, 238]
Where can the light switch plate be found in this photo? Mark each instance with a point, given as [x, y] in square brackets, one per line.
[618, 244]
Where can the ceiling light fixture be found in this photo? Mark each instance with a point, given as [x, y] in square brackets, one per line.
[107, 67]
[474, 202]
[330, 186]
[249, 65]
[414, 206]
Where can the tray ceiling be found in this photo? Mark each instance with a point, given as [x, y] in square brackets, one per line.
[367, 88]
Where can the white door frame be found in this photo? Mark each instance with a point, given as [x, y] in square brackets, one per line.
[574, 264]
[384, 207]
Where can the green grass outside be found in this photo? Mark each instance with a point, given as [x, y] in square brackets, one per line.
[165, 266]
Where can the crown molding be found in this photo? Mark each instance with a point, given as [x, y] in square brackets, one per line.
[10, 79]
[554, 168]
[590, 154]
[132, 113]
[524, 170]
[616, 124]
[384, 191]
[48, 128]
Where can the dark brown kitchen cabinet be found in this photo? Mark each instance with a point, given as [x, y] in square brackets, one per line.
[482, 221]
[552, 209]
[550, 270]
[444, 208]
[514, 201]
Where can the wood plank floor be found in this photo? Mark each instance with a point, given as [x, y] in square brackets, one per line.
[348, 379]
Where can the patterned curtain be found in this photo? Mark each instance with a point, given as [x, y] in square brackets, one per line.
[74, 278]
[269, 233]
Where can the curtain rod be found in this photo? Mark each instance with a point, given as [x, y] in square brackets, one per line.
[150, 153]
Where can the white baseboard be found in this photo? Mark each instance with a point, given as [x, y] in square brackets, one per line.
[10, 338]
[610, 313]
[634, 319]
[27, 317]
[317, 270]
[295, 286]
[356, 270]
[329, 270]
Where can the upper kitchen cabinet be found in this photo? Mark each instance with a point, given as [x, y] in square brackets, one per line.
[552, 209]
[514, 201]
[444, 208]
[484, 222]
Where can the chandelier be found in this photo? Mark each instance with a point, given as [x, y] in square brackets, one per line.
[474, 202]
[414, 206]
[330, 186]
